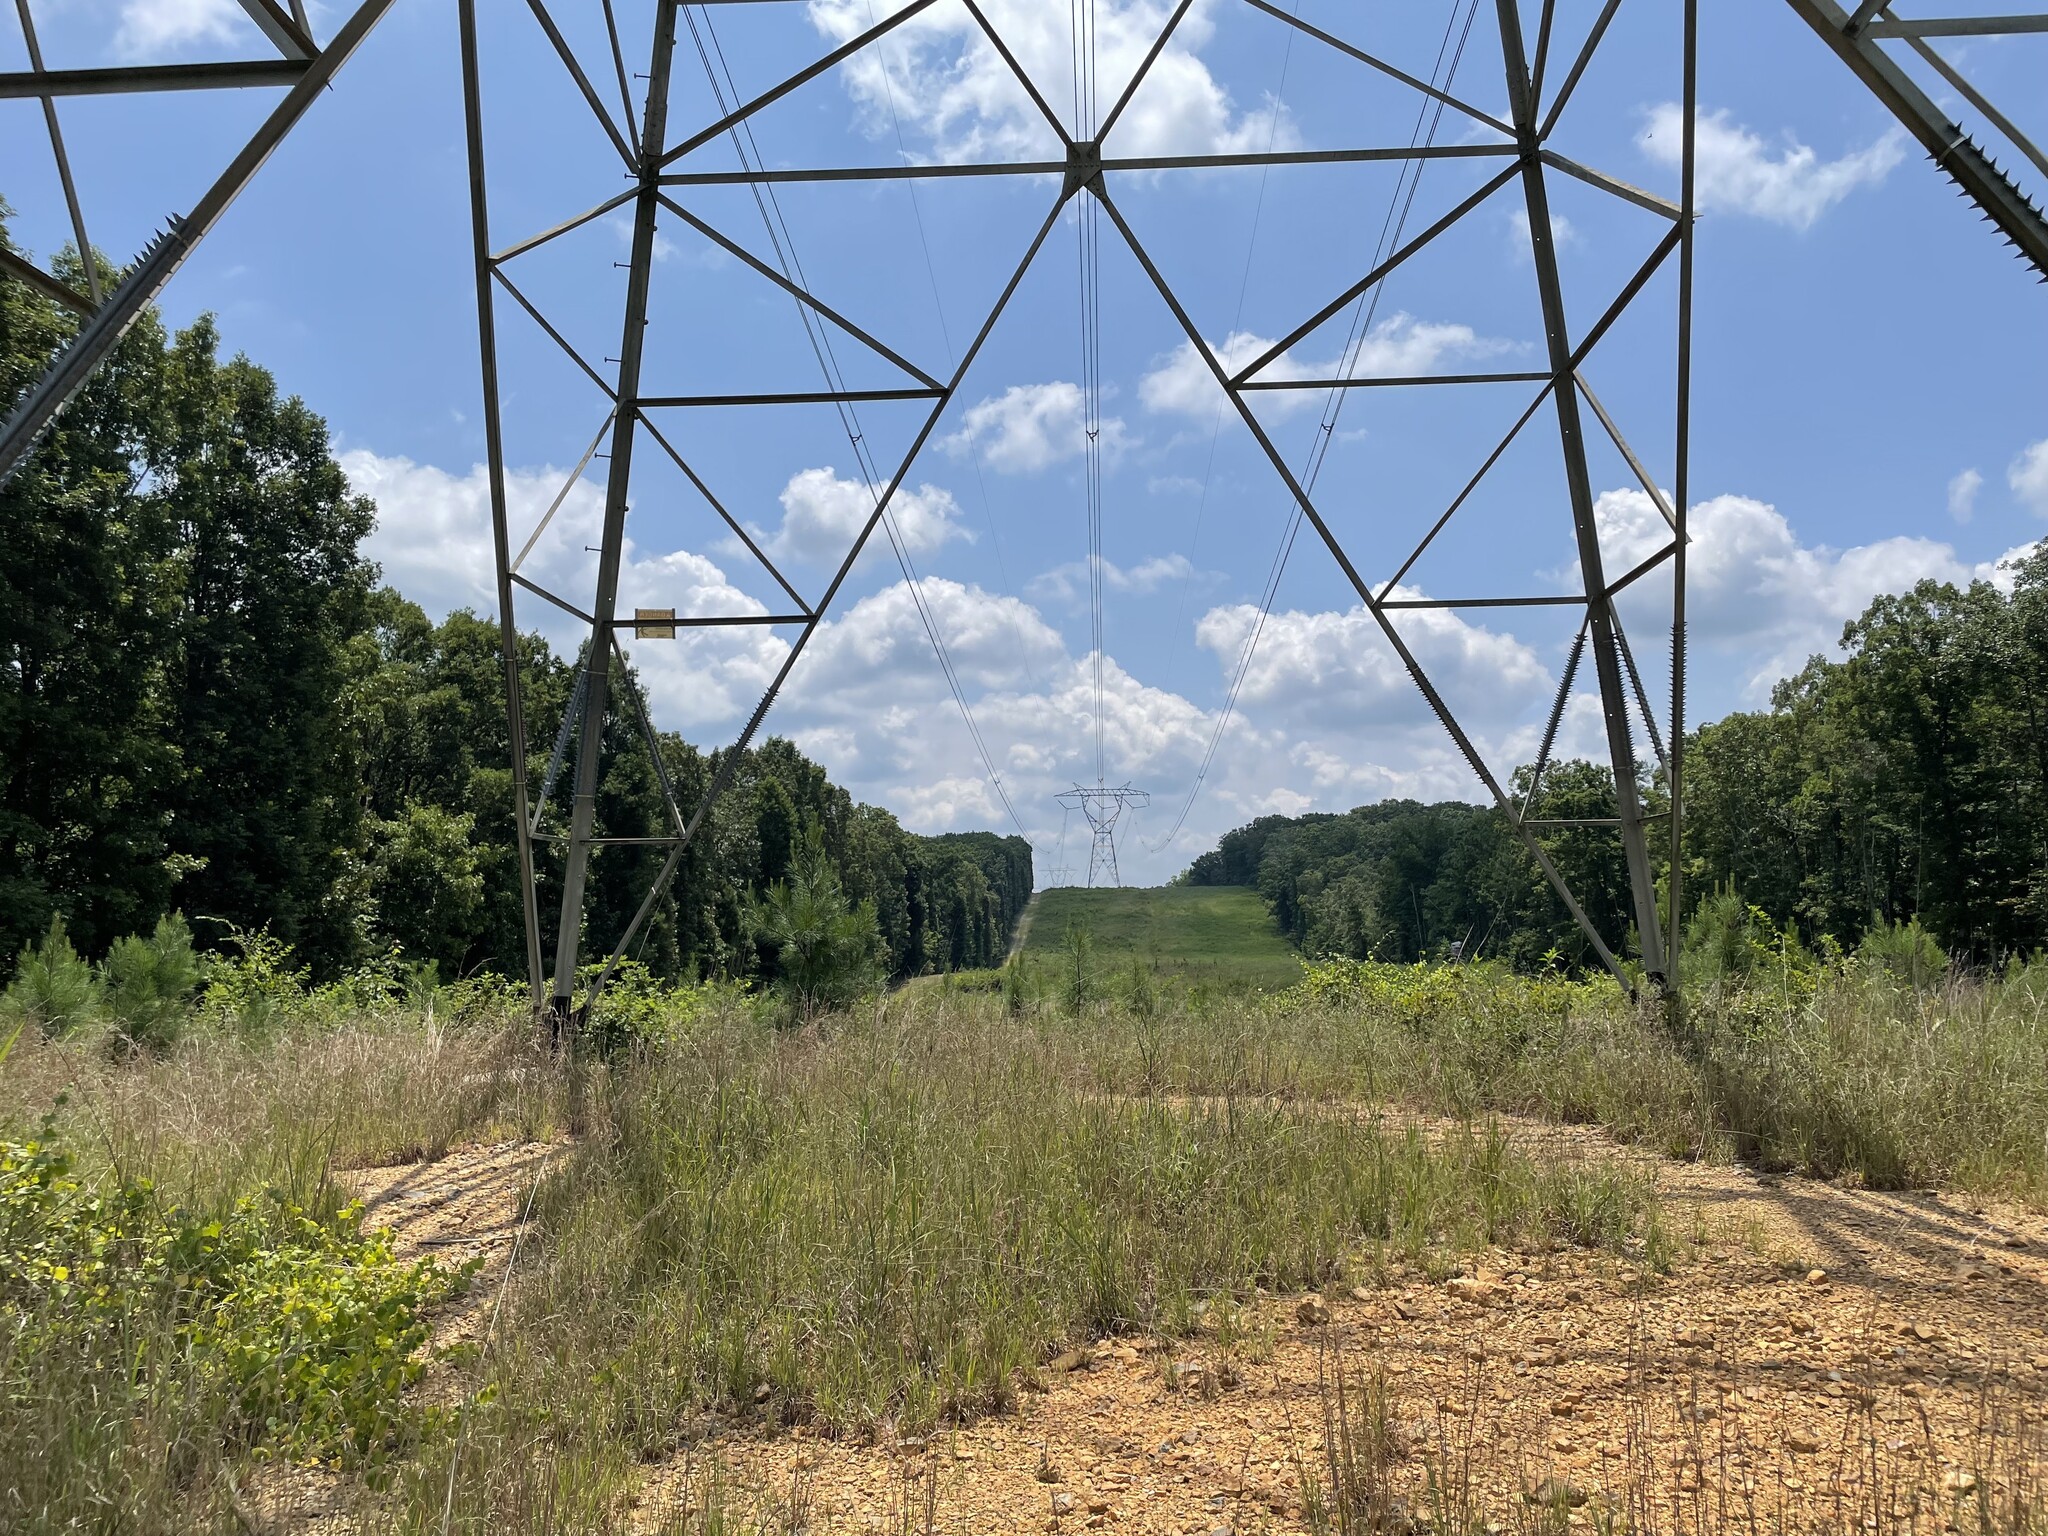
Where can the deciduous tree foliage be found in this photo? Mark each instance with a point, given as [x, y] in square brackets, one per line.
[208, 704]
[1908, 780]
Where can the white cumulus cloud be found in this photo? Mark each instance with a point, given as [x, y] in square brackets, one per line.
[151, 28]
[1069, 583]
[1755, 594]
[1962, 495]
[1031, 427]
[822, 514]
[1335, 670]
[940, 77]
[2028, 476]
[1739, 172]
[1398, 346]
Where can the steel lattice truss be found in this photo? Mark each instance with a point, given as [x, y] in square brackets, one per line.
[1542, 71]
[302, 65]
[1883, 50]
[1539, 89]
[1103, 806]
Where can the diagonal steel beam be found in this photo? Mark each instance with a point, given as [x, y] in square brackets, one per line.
[611, 32]
[547, 325]
[1486, 189]
[1606, 183]
[1981, 102]
[24, 271]
[1966, 162]
[1643, 477]
[562, 495]
[1384, 68]
[1144, 68]
[285, 31]
[738, 529]
[627, 154]
[801, 295]
[1571, 81]
[161, 260]
[1393, 636]
[531, 242]
[86, 254]
[1471, 485]
[1556, 720]
[809, 72]
[1022, 75]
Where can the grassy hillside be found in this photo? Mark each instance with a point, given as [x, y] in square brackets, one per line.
[1219, 933]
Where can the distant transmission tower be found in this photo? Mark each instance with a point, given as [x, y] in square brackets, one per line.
[1103, 806]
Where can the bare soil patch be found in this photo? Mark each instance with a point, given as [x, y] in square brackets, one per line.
[1819, 1358]
[466, 1204]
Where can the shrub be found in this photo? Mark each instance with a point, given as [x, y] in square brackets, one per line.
[828, 951]
[52, 988]
[149, 983]
[1906, 950]
[273, 1330]
[252, 990]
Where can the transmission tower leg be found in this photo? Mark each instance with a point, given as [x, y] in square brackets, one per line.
[590, 743]
[494, 453]
[1599, 604]
[1681, 492]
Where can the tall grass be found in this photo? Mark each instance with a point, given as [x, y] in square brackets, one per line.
[897, 1222]
[126, 1392]
[896, 1217]
[1845, 1070]
[228, 1115]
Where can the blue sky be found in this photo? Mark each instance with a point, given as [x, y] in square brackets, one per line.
[1870, 398]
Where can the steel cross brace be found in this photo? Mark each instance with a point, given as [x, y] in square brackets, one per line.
[308, 69]
[1855, 37]
[1083, 169]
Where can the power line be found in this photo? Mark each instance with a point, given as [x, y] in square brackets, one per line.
[1244, 283]
[784, 244]
[1362, 315]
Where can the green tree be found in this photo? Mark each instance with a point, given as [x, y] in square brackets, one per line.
[425, 885]
[90, 577]
[272, 591]
[827, 950]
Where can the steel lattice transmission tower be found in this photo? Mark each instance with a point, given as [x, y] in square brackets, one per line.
[1516, 148]
[1540, 84]
[301, 65]
[1103, 807]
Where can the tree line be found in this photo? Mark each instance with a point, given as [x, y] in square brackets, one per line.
[1905, 782]
[209, 704]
